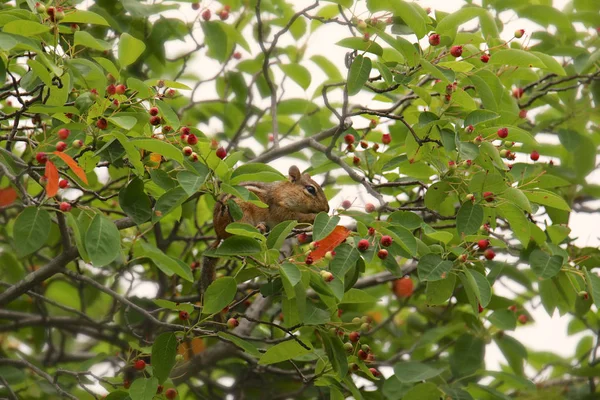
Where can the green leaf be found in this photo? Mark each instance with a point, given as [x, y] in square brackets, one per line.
[31, 230]
[247, 230]
[423, 391]
[358, 74]
[345, 258]
[438, 292]
[168, 202]
[450, 23]
[133, 155]
[216, 39]
[517, 220]
[409, 52]
[480, 286]
[25, 28]
[102, 241]
[544, 265]
[357, 296]
[135, 202]
[468, 355]
[255, 172]
[164, 351]
[130, 49]
[238, 246]
[547, 198]
[336, 354]
[551, 64]
[516, 58]
[469, 218]
[593, 284]
[505, 320]
[413, 371]
[291, 272]
[279, 233]
[298, 74]
[513, 351]
[432, 267]
[518, 198]
[84, 17]
[12, 375]
[324, 225]
[83, 38]
[123, 121]
[143, 389]
[165, 263]
[159, 147]
[168, 114]
[191, 182]
[410, 16]
[241, 343]
[283, 352]
[477, 117]
[219, 294]
[330, 69]
[357, 43]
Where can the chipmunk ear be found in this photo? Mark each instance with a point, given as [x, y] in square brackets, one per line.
[294, 174]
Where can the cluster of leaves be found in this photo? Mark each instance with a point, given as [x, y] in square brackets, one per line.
[108, 181]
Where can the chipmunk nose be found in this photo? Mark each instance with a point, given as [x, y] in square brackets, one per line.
[327, 208]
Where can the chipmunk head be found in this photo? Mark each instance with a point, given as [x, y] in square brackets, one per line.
[310, 198]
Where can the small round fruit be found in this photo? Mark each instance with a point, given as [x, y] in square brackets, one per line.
[480, 308]
[451, 165]
[354, 336]
[373, 124]
[63, 133]
[155, 120]
[153, 111]
[504, 153]
[63, 184]
[179, 358]
[102, 123]
[111, 89]
[302, 238]
[313, 245]
[519, 33]
[41, 157]
[327, 276]
[346, 204]
[522, 319]
[463, 257]
[223, 15]
[77, 144]
[348, 347]
[488, 196]
[195, 6]
[349, 139]
[221, 153]
[184, 315]
[512, 308]
[502, 133]
[382, 254]
[386, 138]
[126, 384]
[232, 323]
[534, 155]
[456, 51]
[403, 287]
[192, 139]
[184, 130]
[483, 244]
[369, 207]
[159, 389]
[523, 114]
[356, 320]
[237, 55]
[364, 144]
[356, 160]
[65, 207]
[309, 260]
[478, 140]
[375, 372]
[61, 146]
[206, 15]
[187, 150]
[171, 393]
[121, 89]
[489, 254]
[434, 39]
[386, 240]
[330, 255]
[362, 355]
[485, 58]
[470, 197]
[363, 245]
[139, 365]
[517, 92]
[371, 231]
[469, 129]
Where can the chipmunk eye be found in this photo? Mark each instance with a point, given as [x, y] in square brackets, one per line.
[311, 189]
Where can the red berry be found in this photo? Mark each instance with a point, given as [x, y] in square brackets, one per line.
[373, 124]
[121, 89]
[346, 204]
[126, 384]
[364, 144]
[356, 160]
[480, 308]
[517, 93]
[522, 318]
[223, 15]
[221, 153]
[206, 15]
[363, 245]
[502, 132]
[534, 155]
[192, 139]
[184, 315]
[195, 6]
[139, 365]
[237, 55]
[434, 39]
[483, 244]
[513, 308]
[302, 238]
[41, 157]
[386, 240]
[362, 355]
[309, 260]
[488, 196]
[111, 89]
[63, 183]
[489, 254]
[232, 323]
[523, 114]
[463, 258]
[369, 207]
[159, 389]
[61, 146]
[375, 372]
[102, 123]
[386, 138]
[451, 164]
[371, 231]
[350, 148]
[485, 58]
[65, 207]
[519, 33]
[327, 276]
[469, 129]
[184, 130]
[456, 51]
[478, 140]
[195, 264]
[382, 254]
[403, 287]
[187, 150]
[153, 111]
[155, 120]
[171, 393]
[63, 133]
[354, 336]
[349, 139]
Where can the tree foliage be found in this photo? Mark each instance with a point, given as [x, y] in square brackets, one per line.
[475, 146]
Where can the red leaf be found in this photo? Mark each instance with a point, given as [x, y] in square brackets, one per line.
[52, 177]
[73, 165]
[333, 240]
[7, 196]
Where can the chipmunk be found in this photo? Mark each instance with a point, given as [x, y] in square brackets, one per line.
[299, 198]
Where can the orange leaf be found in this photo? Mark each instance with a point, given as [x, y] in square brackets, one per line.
[7, 196]
[52, 177]
[73, 165]
[191, 348]
[333, 240]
